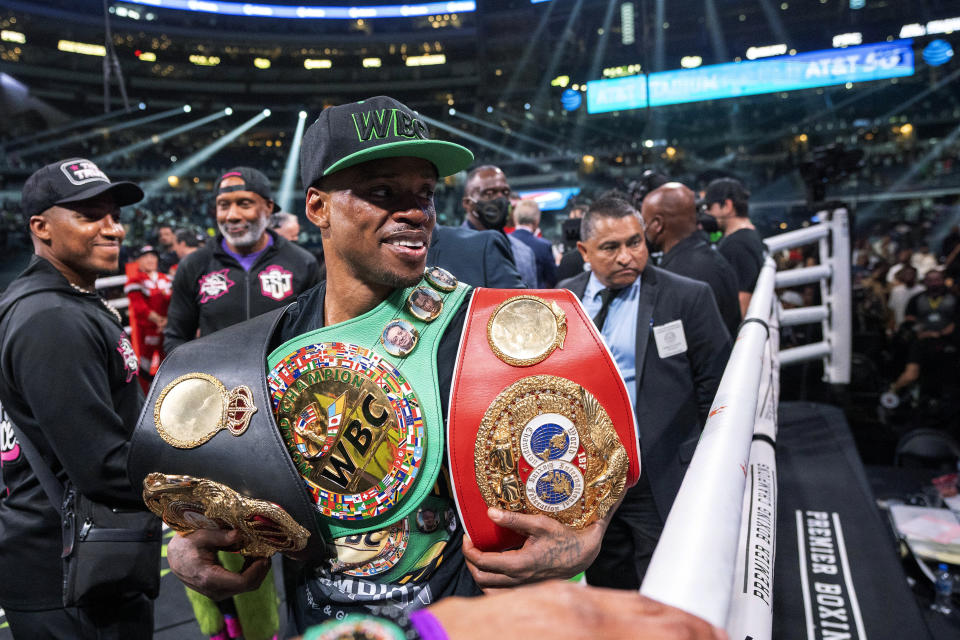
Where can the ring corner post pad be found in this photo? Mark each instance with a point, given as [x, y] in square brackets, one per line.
[540, 420]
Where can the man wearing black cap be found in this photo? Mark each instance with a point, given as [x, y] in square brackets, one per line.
[369, 169]
[247, 270]
[68, 383]
[728, 201]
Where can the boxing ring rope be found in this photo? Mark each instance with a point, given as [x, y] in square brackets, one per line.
[715, 558]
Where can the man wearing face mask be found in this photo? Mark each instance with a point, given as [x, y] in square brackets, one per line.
[670, 214]
[486, 199]
[247, 270]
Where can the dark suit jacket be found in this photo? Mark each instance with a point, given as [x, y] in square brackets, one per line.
[673, 394]
[479, 258]
[694, 257]
[546, 265]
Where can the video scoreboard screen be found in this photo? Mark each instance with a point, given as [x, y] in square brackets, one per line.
[785, 73]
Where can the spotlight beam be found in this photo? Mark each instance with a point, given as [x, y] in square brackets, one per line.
[482, 142]
[290, 170]
[103, 131]
[529, 124]
[776, 24]
[717, 41]
[73, 124]
[161, 181]
[594, 71]
[532, 44]
[866, 93]
[499, 129]
[146, 142]
[945, 143]
[555, 59]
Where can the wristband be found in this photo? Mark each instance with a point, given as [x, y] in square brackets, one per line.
[427, 625]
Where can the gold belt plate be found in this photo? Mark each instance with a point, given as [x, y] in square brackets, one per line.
[546, 445]
[187, 504]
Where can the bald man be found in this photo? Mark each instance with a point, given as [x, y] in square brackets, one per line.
[670, 213]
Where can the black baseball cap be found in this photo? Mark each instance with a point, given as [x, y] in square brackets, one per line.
[723, 189]
[253, 180]
[72, 180]
[380, 127]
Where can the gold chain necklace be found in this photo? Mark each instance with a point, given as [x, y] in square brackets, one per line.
[113, 312]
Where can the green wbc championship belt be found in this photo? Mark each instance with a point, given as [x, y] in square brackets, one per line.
[358, 406]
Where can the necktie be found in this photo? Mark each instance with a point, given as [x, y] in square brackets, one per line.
[606, 297]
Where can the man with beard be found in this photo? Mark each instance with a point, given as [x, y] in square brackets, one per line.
[370, 170]
[246, 271]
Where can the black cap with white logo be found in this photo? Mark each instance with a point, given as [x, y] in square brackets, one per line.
[252, 180]
[72, 180]
[371, 129]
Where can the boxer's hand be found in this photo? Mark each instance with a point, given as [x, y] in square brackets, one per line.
[193, 559]
[551, 550]
[565, 611]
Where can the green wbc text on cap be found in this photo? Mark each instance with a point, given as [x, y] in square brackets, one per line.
[371, 129]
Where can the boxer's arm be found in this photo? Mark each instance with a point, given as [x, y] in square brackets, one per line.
[562, 610]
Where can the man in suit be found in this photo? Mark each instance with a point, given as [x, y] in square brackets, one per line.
[526, 215]
[486, 199]
[479, 258]
[671, 346]
[670, 219]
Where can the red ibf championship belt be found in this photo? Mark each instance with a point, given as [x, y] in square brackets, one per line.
[540, 420]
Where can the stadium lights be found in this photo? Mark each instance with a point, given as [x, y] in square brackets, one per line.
[188, 163]
[371, 63]
[621, 71]
[82, 48]
[73, 124]
[187, 108]
[500, 129]
[207, 61]
[426, 60]
[252, 10]
[261, 63]
[228, 111]
[105, 130]
[847, 39]
[13, 36]
[627, 33]
[317, 63]
[916, 30]
[481, 141]
[290, 169]
[766, 51]
[154, 139]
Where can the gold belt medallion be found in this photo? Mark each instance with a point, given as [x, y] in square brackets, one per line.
[194, 407]
[352, 425]
[546, 445]
[188, 504]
